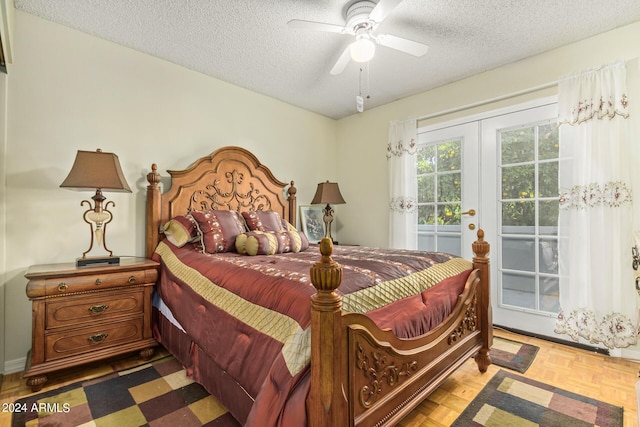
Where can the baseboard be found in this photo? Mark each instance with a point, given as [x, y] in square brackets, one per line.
[13, 366]
[633, 355]
[556, 340]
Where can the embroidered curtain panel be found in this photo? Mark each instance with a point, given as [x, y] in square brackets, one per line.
[597, 293]
[403, 185]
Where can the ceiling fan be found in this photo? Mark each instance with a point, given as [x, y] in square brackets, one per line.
[363, 17]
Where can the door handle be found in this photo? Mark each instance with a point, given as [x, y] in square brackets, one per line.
[470, 212]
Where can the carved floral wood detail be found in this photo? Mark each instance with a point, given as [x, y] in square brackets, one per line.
[215, 197]
[376, 369]
[468, 323]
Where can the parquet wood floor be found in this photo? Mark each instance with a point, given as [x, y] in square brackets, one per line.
[600, 377]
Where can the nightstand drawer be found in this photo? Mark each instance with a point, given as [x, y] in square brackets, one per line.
[67, 285]
[103, 307]
[69, 343]
[80, 315]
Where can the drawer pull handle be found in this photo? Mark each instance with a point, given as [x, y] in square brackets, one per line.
[97, 309]
[98, 282]
[62, 287]
[98, 338]
[132, 279]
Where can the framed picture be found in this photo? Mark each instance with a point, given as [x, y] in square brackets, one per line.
[312, 223]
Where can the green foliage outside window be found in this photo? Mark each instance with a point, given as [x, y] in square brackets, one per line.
[526, 154]
[439, 183]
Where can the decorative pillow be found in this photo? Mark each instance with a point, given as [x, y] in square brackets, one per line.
[298, 236]
[218, 229]
[181, 230]
[269, 243]
[257, 243]
[263, 220]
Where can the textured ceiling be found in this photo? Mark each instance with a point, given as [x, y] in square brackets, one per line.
[248, 42]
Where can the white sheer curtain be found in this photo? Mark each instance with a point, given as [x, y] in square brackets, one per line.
[597, 293]
[403, 185]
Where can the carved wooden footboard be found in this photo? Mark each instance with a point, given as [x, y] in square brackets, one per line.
[364, 376]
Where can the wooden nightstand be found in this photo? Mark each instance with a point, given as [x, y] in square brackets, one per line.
[81, 315]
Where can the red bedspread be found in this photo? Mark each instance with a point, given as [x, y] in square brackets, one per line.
[252, 314]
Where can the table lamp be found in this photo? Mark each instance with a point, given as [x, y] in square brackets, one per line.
[328, 192]
[97, 170]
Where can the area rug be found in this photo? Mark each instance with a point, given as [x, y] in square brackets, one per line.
[154, 394]
[512, 354]
[513, 400]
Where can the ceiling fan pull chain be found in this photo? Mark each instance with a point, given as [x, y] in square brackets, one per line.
[368, 90]
[359, 99]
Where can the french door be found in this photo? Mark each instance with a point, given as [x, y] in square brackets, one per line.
[448, 189]
[506, 165]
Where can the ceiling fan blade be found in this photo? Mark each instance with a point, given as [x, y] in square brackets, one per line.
[382, 9]
[403, 45]
[316, 26]
[342, 62]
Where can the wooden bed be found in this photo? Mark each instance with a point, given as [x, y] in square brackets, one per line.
[360, 375]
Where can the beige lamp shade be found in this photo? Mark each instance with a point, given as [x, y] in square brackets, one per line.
[96, 170]
[328, 193]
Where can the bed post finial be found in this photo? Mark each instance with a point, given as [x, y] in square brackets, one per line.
[153, 211]
[326, 275]
[326, 405]
[291, 197]
[153, 177]
[481, 262]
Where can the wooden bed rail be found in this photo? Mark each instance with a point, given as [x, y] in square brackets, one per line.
[327, 404]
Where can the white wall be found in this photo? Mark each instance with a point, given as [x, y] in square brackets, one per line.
[69, 91]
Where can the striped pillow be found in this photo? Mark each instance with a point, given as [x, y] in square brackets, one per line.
[181, 230]
[218, 230]
[269, 243]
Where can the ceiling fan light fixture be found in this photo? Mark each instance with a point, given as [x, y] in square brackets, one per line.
[363, 49]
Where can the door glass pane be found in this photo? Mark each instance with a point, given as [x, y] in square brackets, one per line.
[518, 182]
[449, 244]
[548, 256]
[426, 240]
[519, 254]
[449, 156]
[426, 189]
[548, 143]
[439, 196]
[549, 294]
[529, 217]
[519, 290]
[548, 216]
[426, 159]
[548, 179]
[449, 188]
[449, 215]
[517, 146]
[426, 214]
[519, 217]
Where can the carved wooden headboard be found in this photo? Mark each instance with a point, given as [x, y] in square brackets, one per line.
[230, 178]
